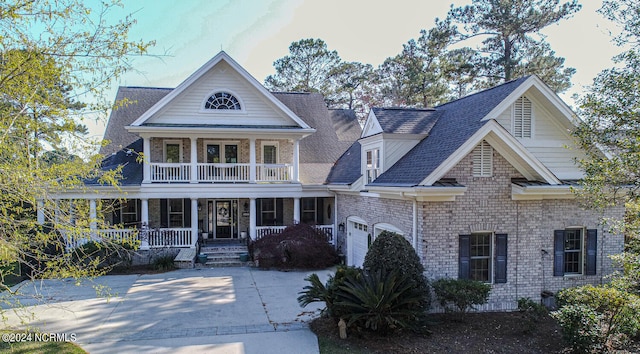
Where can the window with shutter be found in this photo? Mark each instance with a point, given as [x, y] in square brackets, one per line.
[483, 257]
[483, 160]
[522, 116]
[575, 252]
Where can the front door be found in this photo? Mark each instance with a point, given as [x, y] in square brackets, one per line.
[223, 216]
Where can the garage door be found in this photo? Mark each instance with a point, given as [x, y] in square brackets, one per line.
[359, 236]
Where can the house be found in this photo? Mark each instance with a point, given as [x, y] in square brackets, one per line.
[218, 158]
[480, 186]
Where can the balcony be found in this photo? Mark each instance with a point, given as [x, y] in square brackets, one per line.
[220, 173]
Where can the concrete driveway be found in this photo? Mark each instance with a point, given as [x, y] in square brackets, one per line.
[218, 310]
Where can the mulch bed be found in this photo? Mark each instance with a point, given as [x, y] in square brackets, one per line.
[505, 332]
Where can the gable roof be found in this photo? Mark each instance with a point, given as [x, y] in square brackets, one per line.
[453, 129]
[220, 57]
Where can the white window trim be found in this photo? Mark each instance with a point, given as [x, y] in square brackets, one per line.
[531, 121]
[222, 144]
[583, 252]
[270, 143]
[492, 250]
[172, 142]
[483, 167]
[376, 163]
[222, 111]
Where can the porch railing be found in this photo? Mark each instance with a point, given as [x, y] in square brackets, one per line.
[327, 230]
[152, 238]
[174, 237]
[274, 173]
[170, 172]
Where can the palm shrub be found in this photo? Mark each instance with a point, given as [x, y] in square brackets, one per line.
[460, 295]
[390, 251]
[380, 301]
[597, 317]
[328, 293]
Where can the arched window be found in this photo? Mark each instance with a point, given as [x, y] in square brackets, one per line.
[222, 100]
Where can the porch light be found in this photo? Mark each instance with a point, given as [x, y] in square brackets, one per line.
[246, 207]
[199, 206]
[341, 227]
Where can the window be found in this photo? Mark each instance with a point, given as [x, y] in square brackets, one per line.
[221, 151]
[308, 210]
[172, 151]
[373, 164]
[575, 251]
[222, 100]
[129, 212]
[270, 153]
[483, 257]
[268, 211]
[176, 213]
[483, 160]
[522, 115]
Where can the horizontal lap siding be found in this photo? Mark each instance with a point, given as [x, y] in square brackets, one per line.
[187, 106]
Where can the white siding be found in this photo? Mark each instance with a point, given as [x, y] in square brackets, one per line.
[395, 149]
[551, 142]
[187, 108]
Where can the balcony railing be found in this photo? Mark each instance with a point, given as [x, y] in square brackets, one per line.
[220, 172]
[170, 172]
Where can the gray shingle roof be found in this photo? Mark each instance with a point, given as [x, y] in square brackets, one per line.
[455, 123]
[406, 120]
[130, 103]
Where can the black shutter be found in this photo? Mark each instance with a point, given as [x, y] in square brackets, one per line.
[164, 217]
[115, 214]
[319, 211]
[464, 264]
[186, 215]
[500, 274]
[258, 215]
[558, 253]
[592, 245]
[279, 212]
[138, 211]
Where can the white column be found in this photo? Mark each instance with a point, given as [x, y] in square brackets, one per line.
[252, 218]
[252, 160]
[146, 168]
[296, 210]
[194, 222]
[144, 219]
[40, 212]
[415, 227]
[194, 161]
[93, 224]
[296, 161]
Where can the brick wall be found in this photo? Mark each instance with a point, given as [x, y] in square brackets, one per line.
[487, 206]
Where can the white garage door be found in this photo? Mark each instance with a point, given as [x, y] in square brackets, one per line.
[359, 237]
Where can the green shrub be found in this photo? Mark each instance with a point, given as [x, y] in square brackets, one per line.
[391, 251]
[164, 262]
[318, 292]
[533, 313]
[381, 301]
[460, 295]
[593, 318]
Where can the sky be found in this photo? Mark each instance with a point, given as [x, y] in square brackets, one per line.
[257, 32]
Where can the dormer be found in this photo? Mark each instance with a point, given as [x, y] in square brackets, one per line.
[388, 134]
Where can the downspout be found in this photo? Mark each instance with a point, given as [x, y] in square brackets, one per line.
[415, 227]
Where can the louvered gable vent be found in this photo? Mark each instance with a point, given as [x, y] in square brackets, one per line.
[483, 160]
[522, 115]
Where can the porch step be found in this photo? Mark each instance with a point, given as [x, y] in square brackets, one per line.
[224, 255]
